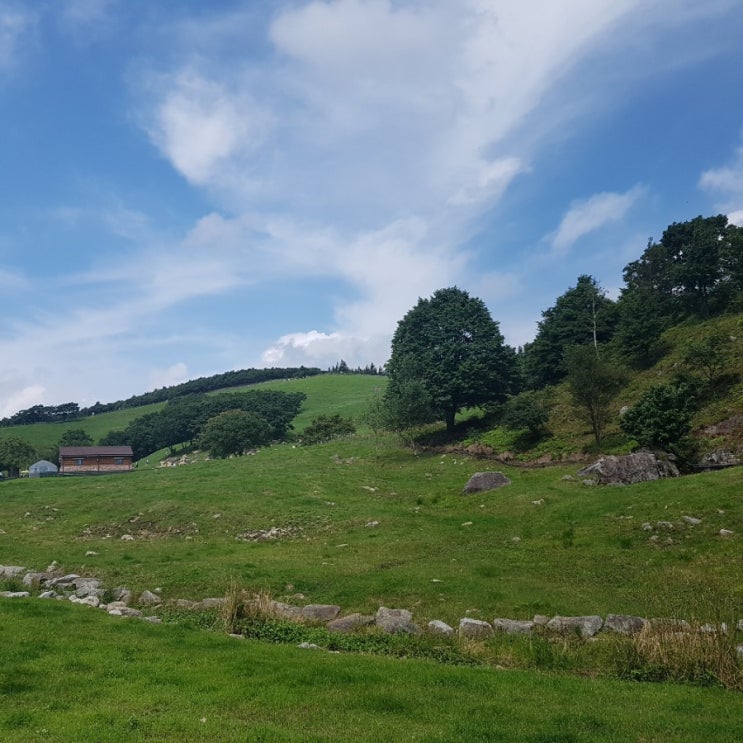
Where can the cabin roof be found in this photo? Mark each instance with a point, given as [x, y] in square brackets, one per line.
[95, 451]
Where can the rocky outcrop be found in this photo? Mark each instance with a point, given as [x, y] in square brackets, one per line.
[629, 469]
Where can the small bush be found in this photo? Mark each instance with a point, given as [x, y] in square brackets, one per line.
[327, 427]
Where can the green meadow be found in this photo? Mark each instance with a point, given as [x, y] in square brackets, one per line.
[363, 522]
[71, 674]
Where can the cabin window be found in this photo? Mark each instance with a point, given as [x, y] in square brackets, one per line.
[80, 461]
[119, 460]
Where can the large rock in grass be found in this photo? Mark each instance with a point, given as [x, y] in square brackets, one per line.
[513, 626]
[349, 623]
[475, 629]
[642, 466]
[583, 626]
[320, 612]
[396, 621]
[624, 624]
[483, 481]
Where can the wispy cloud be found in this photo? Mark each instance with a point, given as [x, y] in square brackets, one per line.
[592, 214]
[16, 25]
[727, 183]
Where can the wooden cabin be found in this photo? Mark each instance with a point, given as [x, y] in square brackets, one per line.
[95, 459]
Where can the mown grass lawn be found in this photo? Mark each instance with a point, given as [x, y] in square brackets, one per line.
[70, 674]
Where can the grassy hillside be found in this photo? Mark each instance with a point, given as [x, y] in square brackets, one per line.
[344, 394]
[581, 550]
[43, 436]
[570, 434]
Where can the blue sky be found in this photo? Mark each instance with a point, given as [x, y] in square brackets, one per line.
[193, 187]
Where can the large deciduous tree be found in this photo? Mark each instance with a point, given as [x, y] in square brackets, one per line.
[15, 455]
[453, 350]
[234, 431]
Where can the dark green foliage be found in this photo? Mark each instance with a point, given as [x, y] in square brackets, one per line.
[327, 427]
[234, 431]
[594, 383]
[662, 416]
[528, 410]
[407, 405]
[710, 357]
[44, 414]
[581, 316]
[75, 437]
[183, 419]
[695, 271]
[15, 455]
[450, 345]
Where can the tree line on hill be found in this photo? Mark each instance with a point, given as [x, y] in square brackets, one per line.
[72, 411]
[448, 353]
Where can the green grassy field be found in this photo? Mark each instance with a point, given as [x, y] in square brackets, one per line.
[73, 674]
[582, 550]
[545, 544]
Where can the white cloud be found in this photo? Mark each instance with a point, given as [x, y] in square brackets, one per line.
[727, 183]
[21, 399]
[82, 14]
[174, 374]
[201, 124]
[591, 214]
[16, 25]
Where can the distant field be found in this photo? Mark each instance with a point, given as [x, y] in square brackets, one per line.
[328, 394]
[344, 394]
[47, 435]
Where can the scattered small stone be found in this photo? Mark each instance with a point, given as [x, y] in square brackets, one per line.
[371, 524]
[515, 540]
[349, 623]
[308, 646]
[15, 594]
[370, 489]
[127, 538]
[435, 580]
[539, 502]
[664, 525]
[691, 520]
[48, 595]
[726, 533]
[467, 523]
[647, 526]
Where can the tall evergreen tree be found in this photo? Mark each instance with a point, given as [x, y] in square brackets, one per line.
[582, 315]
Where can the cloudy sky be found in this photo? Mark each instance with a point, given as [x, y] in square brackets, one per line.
[192, 187]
